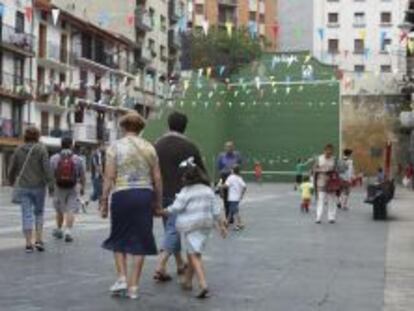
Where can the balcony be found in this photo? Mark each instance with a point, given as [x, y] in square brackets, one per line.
[174, 39]
[15, 87]
[16, 42]
[142, 19]
[145, 56]
[54, 56]
[230, 2]
[175, 10]
[102, 61]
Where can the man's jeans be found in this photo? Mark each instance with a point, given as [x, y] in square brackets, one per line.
[97, 189]
[32, 206]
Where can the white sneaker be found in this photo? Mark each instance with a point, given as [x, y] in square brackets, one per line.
[119, 287]
[133, 293]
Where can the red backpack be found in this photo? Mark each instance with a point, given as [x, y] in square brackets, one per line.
[65, 174]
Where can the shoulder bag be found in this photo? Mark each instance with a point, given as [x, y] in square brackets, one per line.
[17, 190]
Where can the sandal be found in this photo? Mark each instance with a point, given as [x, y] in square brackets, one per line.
[182, 270]
[203, 294]
[162, 277]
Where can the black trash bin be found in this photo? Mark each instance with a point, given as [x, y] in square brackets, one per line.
[379, 196]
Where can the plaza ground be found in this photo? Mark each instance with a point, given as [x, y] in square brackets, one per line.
[282, 261]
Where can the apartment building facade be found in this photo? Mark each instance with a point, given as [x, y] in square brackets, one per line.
[85, 77]
[362, 38]
[154, 26]
[241, 13]
[16, 83]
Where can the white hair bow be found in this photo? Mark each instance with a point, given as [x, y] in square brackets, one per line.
[188, 163]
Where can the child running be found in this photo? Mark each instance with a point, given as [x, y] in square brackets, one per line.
[198, 211]
[306, 189]
[237, 189]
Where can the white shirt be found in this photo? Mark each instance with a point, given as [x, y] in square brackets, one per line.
[349, 173]
[324, 165]
[236, 187]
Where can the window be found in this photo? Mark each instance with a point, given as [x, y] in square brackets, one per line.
[359, 68]
[56, 122]
[385, 45]
[1, 67]
[83, 77]
[19, 22]
[386, 18]
[359, 19]
[333, 46]
[163, 23]
[44, 123]
[18, 71]
[333, 18]
[163, 54]
[386, 68]
[252, 16]
[262, 18]
[359, 46]
[86, 46]
[151, 44]
[199, 9]
[152, 16]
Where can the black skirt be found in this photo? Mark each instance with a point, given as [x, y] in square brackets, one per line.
[132, 223]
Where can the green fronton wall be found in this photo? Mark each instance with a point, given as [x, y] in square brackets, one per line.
[272, 123]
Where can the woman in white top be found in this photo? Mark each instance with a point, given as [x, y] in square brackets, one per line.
[347, 177]
[324, 166]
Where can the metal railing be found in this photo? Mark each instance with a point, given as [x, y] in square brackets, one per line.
[20, 40]
[15, 85]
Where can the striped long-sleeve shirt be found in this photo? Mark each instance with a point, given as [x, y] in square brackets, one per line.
[197, 208]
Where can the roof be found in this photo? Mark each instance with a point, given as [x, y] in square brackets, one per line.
[46, 5]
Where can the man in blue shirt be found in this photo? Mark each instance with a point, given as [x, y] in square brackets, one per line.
[226, 161]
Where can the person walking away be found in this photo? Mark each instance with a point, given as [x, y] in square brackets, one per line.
[324, 168]
[236, 191]
[172, 149]
[69, 170]
[30, 174]
[408, 175]
[97, 172]
[198, 212]
[225, 163]
[133, 179]
[306, 189]
[347, 176]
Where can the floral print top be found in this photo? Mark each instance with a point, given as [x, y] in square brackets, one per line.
[133, 158]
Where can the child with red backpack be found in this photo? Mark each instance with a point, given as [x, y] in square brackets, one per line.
[69, 170]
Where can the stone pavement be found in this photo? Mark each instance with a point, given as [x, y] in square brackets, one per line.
[399, 272]
[282, 261]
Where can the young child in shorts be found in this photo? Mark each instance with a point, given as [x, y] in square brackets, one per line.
[237, 189]
[198, 212]
[306, 190]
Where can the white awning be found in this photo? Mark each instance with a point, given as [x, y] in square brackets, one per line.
[52, 142]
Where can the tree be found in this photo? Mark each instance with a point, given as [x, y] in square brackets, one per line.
[218, 48]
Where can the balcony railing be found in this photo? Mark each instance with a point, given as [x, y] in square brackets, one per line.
[100, 58]
[15, 86]
[174, 39]
[19, 41]
[142, 19]
[229, 2]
